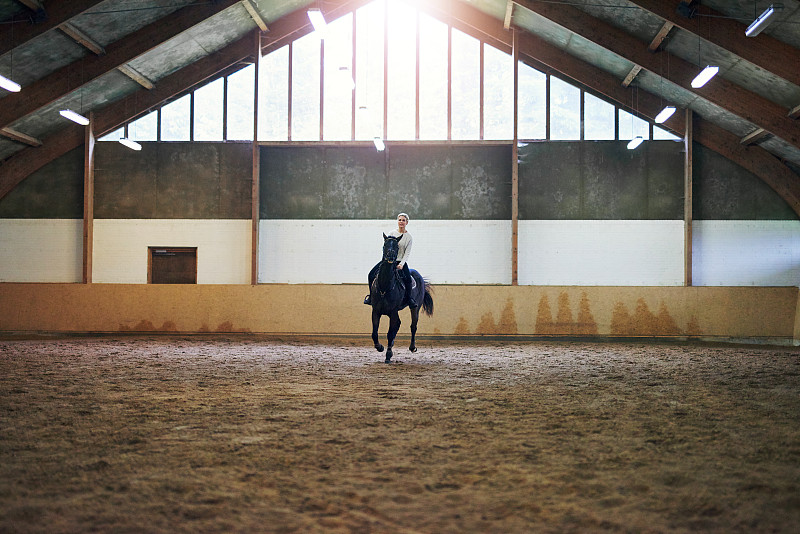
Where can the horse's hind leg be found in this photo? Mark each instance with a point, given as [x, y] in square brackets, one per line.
[414, 319]
[394, 326]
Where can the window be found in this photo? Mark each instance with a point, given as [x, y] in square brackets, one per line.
[532, 113]
[369, 71]
[172, 265]
[208, 111]
[565, 110]
[305, 88]
[405, 98]
[466, 95]
[498, 105]
[598, 118]
[145, 128]
[660, 133]
[402, 72]
[432, 78]
[116, 135]
[339, 84]
[241, 87]
[273, 96]
[175, 120]
[630, 126]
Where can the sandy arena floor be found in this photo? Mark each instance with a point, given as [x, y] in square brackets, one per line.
[242, 434]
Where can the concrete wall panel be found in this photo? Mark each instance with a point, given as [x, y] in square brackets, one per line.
[53, 192]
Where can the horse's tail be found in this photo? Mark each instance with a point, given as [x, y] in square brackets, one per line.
[427, 300]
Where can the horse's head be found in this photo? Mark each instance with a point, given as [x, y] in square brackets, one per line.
[390, 248]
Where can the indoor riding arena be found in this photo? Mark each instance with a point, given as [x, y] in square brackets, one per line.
[609, 339]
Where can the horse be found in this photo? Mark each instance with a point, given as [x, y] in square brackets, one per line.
[387, 297]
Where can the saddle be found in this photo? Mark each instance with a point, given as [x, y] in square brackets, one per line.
[399, 277]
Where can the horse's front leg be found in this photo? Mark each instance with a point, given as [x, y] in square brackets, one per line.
[414, 319]
[376, 323]
[394, 326]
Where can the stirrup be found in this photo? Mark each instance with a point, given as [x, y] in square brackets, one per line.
[367, 300]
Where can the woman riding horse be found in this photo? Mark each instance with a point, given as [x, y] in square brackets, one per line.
[404, 252]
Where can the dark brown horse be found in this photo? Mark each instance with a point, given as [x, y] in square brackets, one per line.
[387, 297]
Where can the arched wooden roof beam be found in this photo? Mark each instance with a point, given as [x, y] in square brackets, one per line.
[71, 77]
[58, 12]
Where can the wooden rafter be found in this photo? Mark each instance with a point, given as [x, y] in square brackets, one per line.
[655, 44]
[81, 38]
[20, 137]
[765, 51]
[727, 95]
[509, 13]
[58, 12]
[67, 79]
[754, 137]
[634, 72]
[255, 15]
[136, 76]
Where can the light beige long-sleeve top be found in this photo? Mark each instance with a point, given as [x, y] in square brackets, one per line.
[404, 246]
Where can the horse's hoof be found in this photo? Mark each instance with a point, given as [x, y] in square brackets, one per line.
[387, 360]
[379, 348]
[412, 348]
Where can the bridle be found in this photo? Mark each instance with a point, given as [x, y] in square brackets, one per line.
[394, 276]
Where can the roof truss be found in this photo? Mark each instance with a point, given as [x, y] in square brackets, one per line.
[533, 50]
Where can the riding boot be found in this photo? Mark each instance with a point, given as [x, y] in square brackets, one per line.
[367, 300]
[410, 298]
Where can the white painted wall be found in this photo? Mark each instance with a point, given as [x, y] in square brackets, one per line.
[337, 252]
[598, 253]
[120, 248]
[628, 253]
[41, 250]
[746, 253]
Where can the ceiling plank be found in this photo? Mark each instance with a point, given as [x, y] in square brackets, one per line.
[58, 12]
[509, 13]
[20, 137]
[255, 15]
[136, 76]
[81, 38]
[754, 137]
[660, 36]
[631, 75]
[70, 78]
[764, 51]
[727, 95]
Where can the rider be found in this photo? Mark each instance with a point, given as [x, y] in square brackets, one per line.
[404, 245]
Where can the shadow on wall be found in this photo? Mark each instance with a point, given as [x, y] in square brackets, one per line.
[641, 323]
